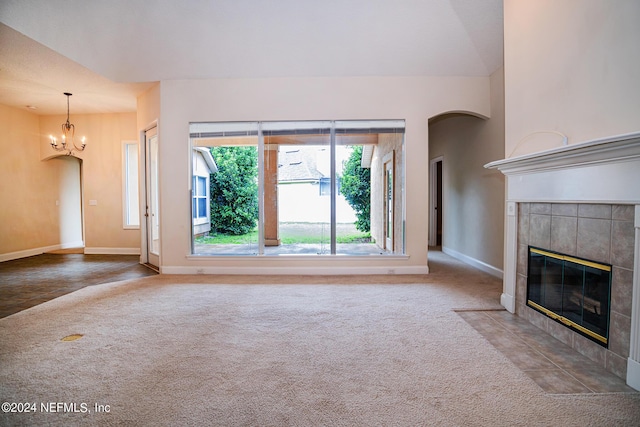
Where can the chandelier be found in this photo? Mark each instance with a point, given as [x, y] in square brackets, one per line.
[68, 131]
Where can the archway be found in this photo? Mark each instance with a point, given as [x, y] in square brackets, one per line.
[472, 204]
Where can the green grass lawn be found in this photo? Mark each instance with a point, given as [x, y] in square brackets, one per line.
[294, 233]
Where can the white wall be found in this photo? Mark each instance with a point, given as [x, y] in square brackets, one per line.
[571, 66]
[70, 202]
[302, 202]
[414, 99]
[473, 197]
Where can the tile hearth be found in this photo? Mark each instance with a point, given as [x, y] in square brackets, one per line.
[554, 366]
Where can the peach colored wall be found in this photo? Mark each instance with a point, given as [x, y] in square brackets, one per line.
[102, 176]
[148, 111]
[28, 187]
[414, 99]
[571, 66]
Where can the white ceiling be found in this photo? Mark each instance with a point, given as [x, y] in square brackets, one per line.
[106, 52]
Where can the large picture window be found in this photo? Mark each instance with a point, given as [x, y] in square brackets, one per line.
[301, 187]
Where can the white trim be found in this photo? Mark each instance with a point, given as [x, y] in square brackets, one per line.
[510, 257]
[76, 244]
[613, 149]
[297, 271]
[633, 374]
[367, 156]
[112, 251]
[208, 159]
[290, 257]
[599, 171]
[508, 302]
[480, 265]
[28, 252]
[433, 193]
[633, 362]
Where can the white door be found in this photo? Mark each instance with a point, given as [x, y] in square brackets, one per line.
[388, 201]
[151, 186]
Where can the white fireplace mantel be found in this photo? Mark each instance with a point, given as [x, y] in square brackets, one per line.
[605, 170]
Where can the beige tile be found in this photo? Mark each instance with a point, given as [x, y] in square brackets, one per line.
[622, 290]
[557, 381]
[600, 381]
[564, 234]
[594, 211]
[564, 209]
[526, 359]
[554, 366]
[623, 212]
[540, 231]
[622, 239]
[594, 239]
[620, 335]
[541, 208]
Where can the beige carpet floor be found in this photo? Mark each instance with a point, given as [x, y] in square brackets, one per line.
[280, 351]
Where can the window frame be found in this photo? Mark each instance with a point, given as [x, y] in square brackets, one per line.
[338, 128]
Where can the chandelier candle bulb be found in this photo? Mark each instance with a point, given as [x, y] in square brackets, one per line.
[68, 129]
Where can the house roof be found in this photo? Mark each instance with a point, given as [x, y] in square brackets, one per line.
[208, 158]
[298, 163]
[108, 52]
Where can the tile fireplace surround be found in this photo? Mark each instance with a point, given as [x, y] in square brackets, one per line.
[583, 200]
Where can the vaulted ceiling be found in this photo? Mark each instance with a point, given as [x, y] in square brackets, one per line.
[106, 52]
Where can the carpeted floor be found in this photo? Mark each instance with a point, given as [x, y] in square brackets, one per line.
[280, 351]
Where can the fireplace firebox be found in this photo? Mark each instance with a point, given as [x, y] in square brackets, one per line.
[572, 291]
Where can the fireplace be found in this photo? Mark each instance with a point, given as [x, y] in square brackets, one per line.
[574, 292]
[577, 209]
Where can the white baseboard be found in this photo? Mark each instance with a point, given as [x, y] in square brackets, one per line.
[296, 271]
[483, 266]
[508, 302]
[633, 374]
[77, 244]
[28, 252]
[112, 251]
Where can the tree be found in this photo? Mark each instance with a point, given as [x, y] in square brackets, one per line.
[356, 188]
[234, 190]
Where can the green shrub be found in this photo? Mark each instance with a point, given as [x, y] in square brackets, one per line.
[234, 190]
[356, 188]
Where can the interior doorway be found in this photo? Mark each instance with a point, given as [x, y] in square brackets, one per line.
[435, 198]
[69, 203]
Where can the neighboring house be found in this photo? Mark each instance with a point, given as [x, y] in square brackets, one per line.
[304, 186]
[203, 167]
